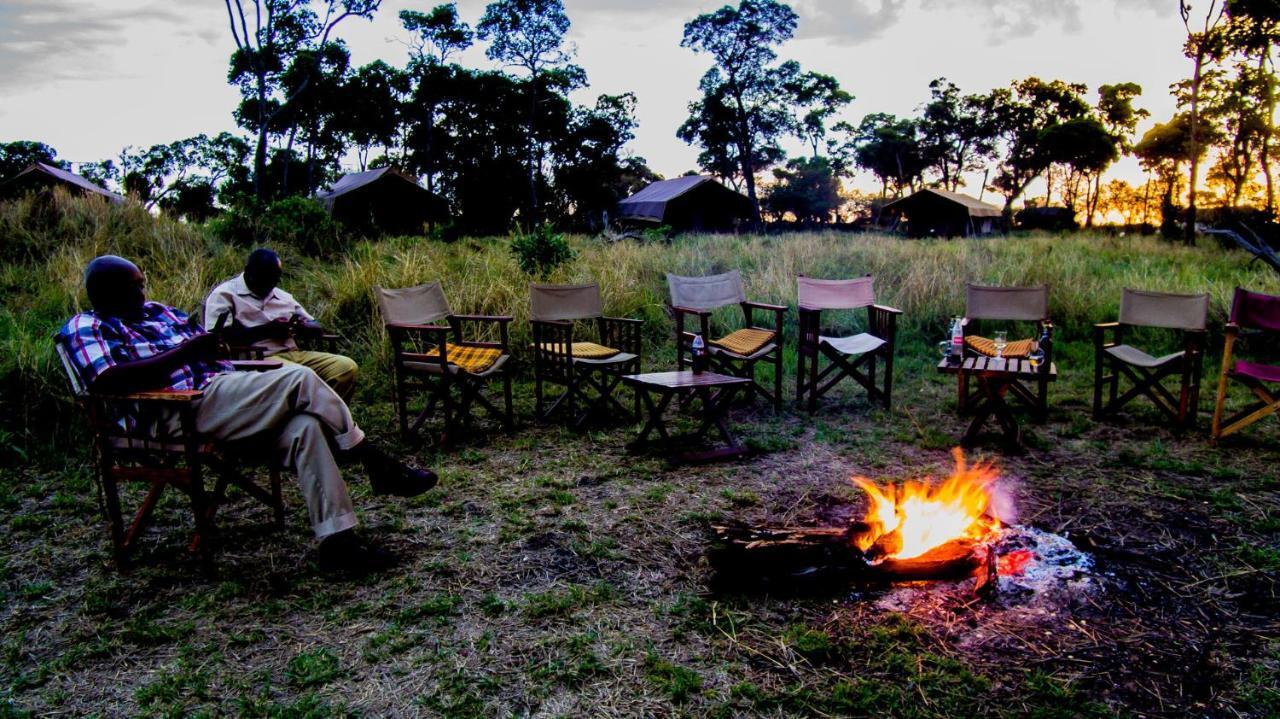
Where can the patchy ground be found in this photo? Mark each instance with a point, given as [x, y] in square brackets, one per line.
[551, 574]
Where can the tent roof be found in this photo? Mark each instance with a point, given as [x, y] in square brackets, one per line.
[651, 202]
[71, 178]
[976, 207]
[353, 181]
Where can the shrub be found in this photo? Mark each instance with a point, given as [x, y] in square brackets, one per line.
[299, 222]
[541, 251]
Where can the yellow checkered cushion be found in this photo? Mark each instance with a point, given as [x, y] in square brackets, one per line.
[470, 359]
[984, 346]
[583, 350]
[744, 341]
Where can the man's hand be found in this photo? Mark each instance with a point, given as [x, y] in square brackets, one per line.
[201, 347]
[280, 329]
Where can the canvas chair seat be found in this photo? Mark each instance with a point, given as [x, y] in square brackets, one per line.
[583, 350]
[745, 342]
[984, 346]
[858, 344]
[619, 358]
[1262, 372]
[1133, 356]
[454, 369]
[475, 360]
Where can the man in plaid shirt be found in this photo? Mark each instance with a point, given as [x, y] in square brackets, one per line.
[127, 344]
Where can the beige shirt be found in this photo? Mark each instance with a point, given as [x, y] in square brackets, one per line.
[252, 311]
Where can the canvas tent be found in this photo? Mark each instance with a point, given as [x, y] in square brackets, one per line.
[696, 202]
[39, 177]
[938, 213]
[384, 200]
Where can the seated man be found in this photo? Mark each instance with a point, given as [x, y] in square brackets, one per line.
[267, 317]
[127, 344]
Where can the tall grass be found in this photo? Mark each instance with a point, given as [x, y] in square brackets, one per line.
[45, 245]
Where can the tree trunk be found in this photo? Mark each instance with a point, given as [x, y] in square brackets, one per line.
[1268, 125]
[1189, 232]
[260, 152]
[533, 169]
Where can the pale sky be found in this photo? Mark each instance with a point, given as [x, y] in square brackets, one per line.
[91, 76]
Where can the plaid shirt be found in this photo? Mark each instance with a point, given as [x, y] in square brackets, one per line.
[97, 344]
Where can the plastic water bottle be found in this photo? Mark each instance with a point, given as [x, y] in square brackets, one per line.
[957, 341]
[698, 354]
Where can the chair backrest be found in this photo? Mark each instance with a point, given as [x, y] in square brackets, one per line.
[419, 305]
[548, 303]
[706, 293]
[1006, 303]
[814, 294]
[73, 375]
[1254, 310]
[1164, 309]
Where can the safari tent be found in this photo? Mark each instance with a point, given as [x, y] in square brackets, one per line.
[384, 200]
[697, 203]
[939, 213]
[39, 177]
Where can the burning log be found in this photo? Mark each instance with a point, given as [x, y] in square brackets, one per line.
[808, 558]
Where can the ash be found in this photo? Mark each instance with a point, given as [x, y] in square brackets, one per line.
[1041, 575]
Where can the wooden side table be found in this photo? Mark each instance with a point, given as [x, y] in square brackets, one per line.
[995, 377]
[713, 391]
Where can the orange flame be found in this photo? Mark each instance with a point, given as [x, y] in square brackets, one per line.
[916, 517]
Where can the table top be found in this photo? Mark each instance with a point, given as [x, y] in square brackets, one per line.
[684, 379]
[1020, 368]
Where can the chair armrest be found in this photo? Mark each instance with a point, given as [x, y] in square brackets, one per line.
[690, 311]
[455, 323]
[416, 328]
[623, 330]
[886, 308]
[883, 322]
[623, 320]
[764, 306]
[483, 318]
[178, 396]
[262, 365]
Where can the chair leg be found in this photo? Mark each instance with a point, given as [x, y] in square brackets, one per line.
[777, 380]
[506, 397]
[813, 383]
[1098, 379]
[277, 497]
[888, 376]
[799, 376]
[115, 519]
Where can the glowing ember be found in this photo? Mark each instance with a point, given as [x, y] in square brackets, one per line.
[909, 520]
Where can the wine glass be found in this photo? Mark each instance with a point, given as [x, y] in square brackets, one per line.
[1001, 341]
[944, 349]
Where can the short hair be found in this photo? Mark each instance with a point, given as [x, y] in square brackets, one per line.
[262, 257]
[102, 271]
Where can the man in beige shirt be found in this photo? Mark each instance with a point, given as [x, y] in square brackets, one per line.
[262, 315]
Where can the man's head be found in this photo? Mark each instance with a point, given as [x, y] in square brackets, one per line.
[116, 287]
[262, 271]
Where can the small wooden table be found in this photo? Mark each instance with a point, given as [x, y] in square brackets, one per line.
[995, 377]
[714, 392]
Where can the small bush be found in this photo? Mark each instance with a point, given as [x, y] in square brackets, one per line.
[298, 222]
[541, 251]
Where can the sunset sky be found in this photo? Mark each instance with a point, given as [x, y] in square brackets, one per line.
[91, 76]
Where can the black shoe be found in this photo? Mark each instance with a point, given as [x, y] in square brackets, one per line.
[388, 475]
[346, 551]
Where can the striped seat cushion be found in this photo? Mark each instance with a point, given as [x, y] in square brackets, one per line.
[984, 346]
[745, 342]
[583, 350]
[469, 359]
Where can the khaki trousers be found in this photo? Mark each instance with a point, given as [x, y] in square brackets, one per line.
[306, 415]
[338, 371]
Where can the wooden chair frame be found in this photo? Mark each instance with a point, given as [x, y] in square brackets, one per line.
[726, 362]
[1268, 402]
[1035, 398]
[410, 342]
[1148, 381]
[170, 460]
[882, 322]
[591, 383]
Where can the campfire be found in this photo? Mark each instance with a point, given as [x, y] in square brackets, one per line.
[920, 529]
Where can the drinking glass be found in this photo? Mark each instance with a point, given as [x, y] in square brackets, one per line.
[1001, 341]
[944, 349]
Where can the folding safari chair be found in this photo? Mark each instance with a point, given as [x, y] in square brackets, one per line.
[1008, 304]
[1255, 318]
[434, 359]
[850, 356]
[738, 352]
[150, 438]
[590, 371]
[1113, 359]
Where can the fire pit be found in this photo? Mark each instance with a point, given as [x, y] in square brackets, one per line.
[918, 531]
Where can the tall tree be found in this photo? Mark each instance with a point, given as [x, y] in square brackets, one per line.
[437, 35]
[265, 50]
[1163, 149]
[1255, 32]
[529, 34]
[957, 133]
[1204, 45]
[889, 148]
[1022, 113]
[372, 98]
[807, 189]
[742, 93]
[19, 155]
[816, 99]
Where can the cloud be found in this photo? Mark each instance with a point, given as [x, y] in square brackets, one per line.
[45, 41]
[847, 23]
[1008, 19]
